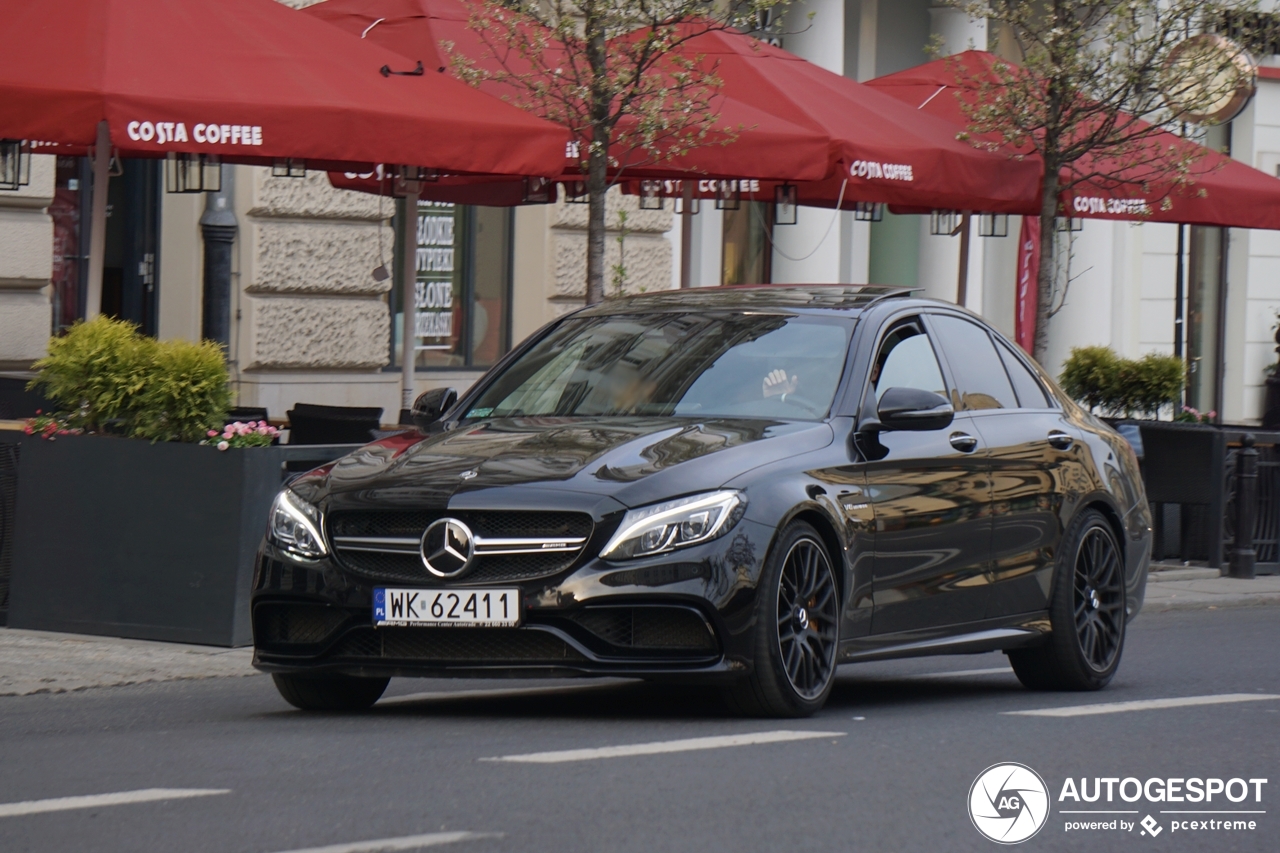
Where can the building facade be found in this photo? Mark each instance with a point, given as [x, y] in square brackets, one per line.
[312, 320]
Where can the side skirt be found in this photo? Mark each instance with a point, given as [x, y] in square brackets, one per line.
[989, 635]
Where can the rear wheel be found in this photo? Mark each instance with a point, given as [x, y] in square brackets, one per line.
[1086, 613]
[329, 692]
[797, 630]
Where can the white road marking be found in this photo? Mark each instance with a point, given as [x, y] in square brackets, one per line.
[93, 801]
[495, 693]
[405, 842]
[1143, 705]
[965, 673]
[658, 747]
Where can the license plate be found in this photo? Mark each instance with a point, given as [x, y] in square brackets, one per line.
[432, 608]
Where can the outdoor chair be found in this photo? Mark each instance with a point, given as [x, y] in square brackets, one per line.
[311, 424]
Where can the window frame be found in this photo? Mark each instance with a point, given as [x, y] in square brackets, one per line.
[996, 340]
[467, 260]
[893, 321]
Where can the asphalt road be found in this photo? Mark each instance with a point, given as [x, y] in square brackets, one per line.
[903, 744]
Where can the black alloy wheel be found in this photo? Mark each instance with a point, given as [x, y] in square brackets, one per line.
[1086, 613]
[798, 629]
[1098, 599]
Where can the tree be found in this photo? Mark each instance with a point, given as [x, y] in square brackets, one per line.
[1095, 82]
[617, 74]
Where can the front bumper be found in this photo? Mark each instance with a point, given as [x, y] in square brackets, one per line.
[687, 614]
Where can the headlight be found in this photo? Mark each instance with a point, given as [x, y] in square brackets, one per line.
[674, 524]
[295, 526]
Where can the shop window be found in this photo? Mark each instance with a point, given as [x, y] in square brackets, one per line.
[747, 247]
[463, 273]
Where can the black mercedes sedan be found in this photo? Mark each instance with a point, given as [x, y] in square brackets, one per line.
[744, 487]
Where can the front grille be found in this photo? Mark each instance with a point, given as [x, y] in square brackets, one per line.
[659, 628]
[406, 566]
[296, 624]
[486, 646]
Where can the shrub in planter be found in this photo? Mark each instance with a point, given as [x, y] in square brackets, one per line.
[108, 377]
[1101, 380]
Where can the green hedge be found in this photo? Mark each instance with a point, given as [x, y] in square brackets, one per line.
[108, 377]
[1102, 380]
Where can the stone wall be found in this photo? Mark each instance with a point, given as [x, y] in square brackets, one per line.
[26, 266]
[309, 301]
[646, 252]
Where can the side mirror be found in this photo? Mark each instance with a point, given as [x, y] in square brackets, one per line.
[430, 405]
[913, 409]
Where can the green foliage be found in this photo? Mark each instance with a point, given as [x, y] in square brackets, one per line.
[185, 394]
[94, 371]
[1100, 379]
[108, 377]
[1089, 375]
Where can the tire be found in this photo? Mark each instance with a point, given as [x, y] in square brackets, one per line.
[797, 630]
[1086, 613]
[329, 692]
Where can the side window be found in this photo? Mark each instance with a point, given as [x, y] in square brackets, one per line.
[906, 360]
[1030, 393]
[978, 370]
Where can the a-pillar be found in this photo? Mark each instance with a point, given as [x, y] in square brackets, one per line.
[955, 32]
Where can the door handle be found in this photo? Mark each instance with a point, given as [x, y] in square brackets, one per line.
[1060, 440]
[963, 442]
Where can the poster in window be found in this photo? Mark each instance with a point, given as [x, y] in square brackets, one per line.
[434, 324]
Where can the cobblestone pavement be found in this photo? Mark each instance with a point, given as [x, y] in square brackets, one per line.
[42, 662]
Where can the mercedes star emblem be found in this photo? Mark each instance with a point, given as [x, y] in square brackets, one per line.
[447, 548]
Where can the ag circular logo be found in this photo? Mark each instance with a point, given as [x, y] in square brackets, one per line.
[447, 547]
[1008, 803]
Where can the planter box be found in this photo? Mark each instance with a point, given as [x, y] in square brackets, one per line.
[1189, 471]
[126, 538]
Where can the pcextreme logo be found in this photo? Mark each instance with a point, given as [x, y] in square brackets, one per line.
[1009, 803]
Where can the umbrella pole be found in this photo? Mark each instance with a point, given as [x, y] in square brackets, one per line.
[686, 232]
[408, 300]
[962, 284]
[98, 221]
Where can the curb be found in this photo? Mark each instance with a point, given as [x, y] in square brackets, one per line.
[1211, 602]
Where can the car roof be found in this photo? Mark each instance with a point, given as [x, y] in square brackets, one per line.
[845, 298]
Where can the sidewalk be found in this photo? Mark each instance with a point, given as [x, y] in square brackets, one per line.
[41, 662]
[1171, 588]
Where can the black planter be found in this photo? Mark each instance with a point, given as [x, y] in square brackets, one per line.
[1185, 464]
[126, 538]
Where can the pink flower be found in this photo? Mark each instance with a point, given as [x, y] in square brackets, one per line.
[222, 445]
[211, 433]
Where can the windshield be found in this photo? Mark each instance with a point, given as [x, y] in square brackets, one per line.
[698, 365]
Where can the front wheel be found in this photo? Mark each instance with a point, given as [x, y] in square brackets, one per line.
[797, 629]
[1086, 613]
[329, 692]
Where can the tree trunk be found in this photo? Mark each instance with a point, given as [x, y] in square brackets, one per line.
[597, 197]
[598, 154]
[1044, 275]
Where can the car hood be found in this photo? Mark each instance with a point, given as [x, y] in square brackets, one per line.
[631, 460]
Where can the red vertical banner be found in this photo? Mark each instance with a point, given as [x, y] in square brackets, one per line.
[1027, 298]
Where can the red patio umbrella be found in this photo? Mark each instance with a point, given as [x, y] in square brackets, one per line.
[749, 138]
[1226, 192]
[247, 81]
